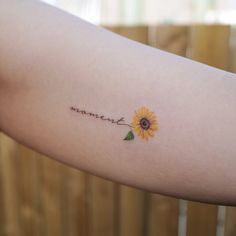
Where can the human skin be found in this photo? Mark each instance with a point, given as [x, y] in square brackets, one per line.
[51, 61]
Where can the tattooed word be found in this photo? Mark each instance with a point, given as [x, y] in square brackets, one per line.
[102, 117]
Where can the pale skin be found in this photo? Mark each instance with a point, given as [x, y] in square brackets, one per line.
[50, 61]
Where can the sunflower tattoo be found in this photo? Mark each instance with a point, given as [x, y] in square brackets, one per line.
[144, 122]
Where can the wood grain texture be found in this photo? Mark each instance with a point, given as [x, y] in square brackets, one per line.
[29, 196]
[132, 212]
[10, 188]
[101, 202]
[230, 221]
[2, 207]
[52, 196]
[162, 216]
[210, 45]
[201, 219]
[75, 219]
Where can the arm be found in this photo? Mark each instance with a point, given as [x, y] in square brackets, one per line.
[70, 90]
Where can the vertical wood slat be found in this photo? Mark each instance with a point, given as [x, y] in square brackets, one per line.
[201, 219]
[209, 45]
[163, 216]
[101, 211]
[75, 219]
[30, 216]
[52, 195]
[9, 174]
[164, 211]
[132, 201]
[232, 49]
[132, 212]
[2, 208]
[230, 221]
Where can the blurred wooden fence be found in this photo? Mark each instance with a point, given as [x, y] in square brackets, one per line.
[40, 197]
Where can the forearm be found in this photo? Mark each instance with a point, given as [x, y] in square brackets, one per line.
[51, 61]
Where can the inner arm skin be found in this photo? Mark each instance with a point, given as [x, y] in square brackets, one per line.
[51, 60]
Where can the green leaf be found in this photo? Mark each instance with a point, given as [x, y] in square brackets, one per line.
[129, 136]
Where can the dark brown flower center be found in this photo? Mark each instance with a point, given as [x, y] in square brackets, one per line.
[145, 123]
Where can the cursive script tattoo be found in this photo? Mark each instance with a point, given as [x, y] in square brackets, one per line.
[102, 117]
[144, 122]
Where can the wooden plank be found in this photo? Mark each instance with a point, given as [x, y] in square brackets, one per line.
[163, 216]
[230, 221]
[75, 218]
[201, 219]
[209, 45]
[169, 38]
[232, 49]
[29, 193]
[132, 212]
[52, 195]
[101, 197]
[9, 175]
[2, 207]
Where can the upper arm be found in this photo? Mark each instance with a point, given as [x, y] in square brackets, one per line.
[49, 69]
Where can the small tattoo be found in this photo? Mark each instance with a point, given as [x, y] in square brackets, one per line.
[144, 122]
